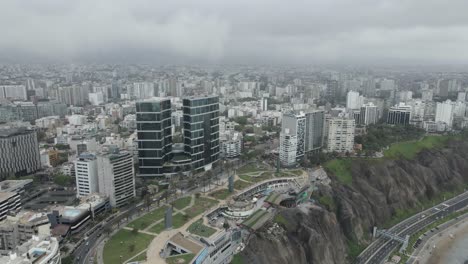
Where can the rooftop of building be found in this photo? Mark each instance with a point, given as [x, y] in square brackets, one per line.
[26, 217]
[37, 250]
[12, 185]
[9, 131]
[6, 195]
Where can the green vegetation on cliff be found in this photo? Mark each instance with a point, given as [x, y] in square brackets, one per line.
[341, 168]
[409, 149]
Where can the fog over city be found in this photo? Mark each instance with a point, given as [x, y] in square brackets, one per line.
[209, 31]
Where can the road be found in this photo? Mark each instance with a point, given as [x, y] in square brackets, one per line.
[432, 235]
[380, 249]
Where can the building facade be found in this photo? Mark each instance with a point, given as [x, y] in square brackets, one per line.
[399, 115]
[116, 177]
[314, 130]
[369, 114]
[231, 144]
[288, 148]
[341, 134]
[19, 153]
[154, 136]
[86, 175]
[444, 113]
[201, 130]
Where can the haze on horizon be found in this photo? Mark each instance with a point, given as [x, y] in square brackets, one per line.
[242, 31]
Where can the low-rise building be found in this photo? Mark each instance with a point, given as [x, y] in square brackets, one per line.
[37, 250]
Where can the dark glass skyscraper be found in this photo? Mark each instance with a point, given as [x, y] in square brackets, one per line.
[154, 135]
[201, 130]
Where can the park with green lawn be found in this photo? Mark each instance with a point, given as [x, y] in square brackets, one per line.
[149, 218]
[131, 240]
[125, 244]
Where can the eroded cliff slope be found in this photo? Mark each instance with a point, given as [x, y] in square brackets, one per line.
[380, 191]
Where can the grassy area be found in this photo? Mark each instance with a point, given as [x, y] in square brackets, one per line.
[199, 229]
[125, 244]
[281, 174]
[237, 259]
[262, 177]
[328, 202]
[182, 202]
[341, 168]
[409, 149]
[252, 167]
[158, 228]
[141, 257]
[354, 249]
[178, 220]
[200, 206]
[180, 259]
[220, 194]
[149, 218]
[297, 172]
[280, 220]
[239, 185]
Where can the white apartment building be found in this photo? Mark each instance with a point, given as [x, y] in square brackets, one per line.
[231, 144]
[354, 100]
[116, 177]
[17, 92]
[340, 134]
[86, 175]
[288, 148]
[444, 113]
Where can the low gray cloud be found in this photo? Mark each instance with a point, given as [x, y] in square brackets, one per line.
[255, 31]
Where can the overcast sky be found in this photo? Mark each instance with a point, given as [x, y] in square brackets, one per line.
[236, 31]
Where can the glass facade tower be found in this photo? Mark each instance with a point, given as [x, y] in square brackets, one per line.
[201, 130]
[153, 118]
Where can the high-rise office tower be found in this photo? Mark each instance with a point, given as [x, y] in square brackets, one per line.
[116, 177]
[19, 151]
[153, 118]
[369, 114]
[340, 134]
[201, 130]
[314, 130]
[86, 175]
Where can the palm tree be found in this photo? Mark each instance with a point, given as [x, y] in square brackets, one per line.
[147, 201]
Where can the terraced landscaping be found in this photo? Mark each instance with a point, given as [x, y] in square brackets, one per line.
[220, 194]
[201, 205]
[199, 229]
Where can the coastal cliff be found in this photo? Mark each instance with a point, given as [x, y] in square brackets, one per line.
[380, 191]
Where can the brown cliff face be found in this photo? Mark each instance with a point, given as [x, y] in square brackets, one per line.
[380, 189]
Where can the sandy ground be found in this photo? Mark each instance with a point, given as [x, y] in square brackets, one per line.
[436, 249]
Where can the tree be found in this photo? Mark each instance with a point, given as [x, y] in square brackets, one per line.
[131, 247]
[135, 231]
[226, 225]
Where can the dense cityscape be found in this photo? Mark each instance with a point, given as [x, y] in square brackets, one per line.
[183, 164]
